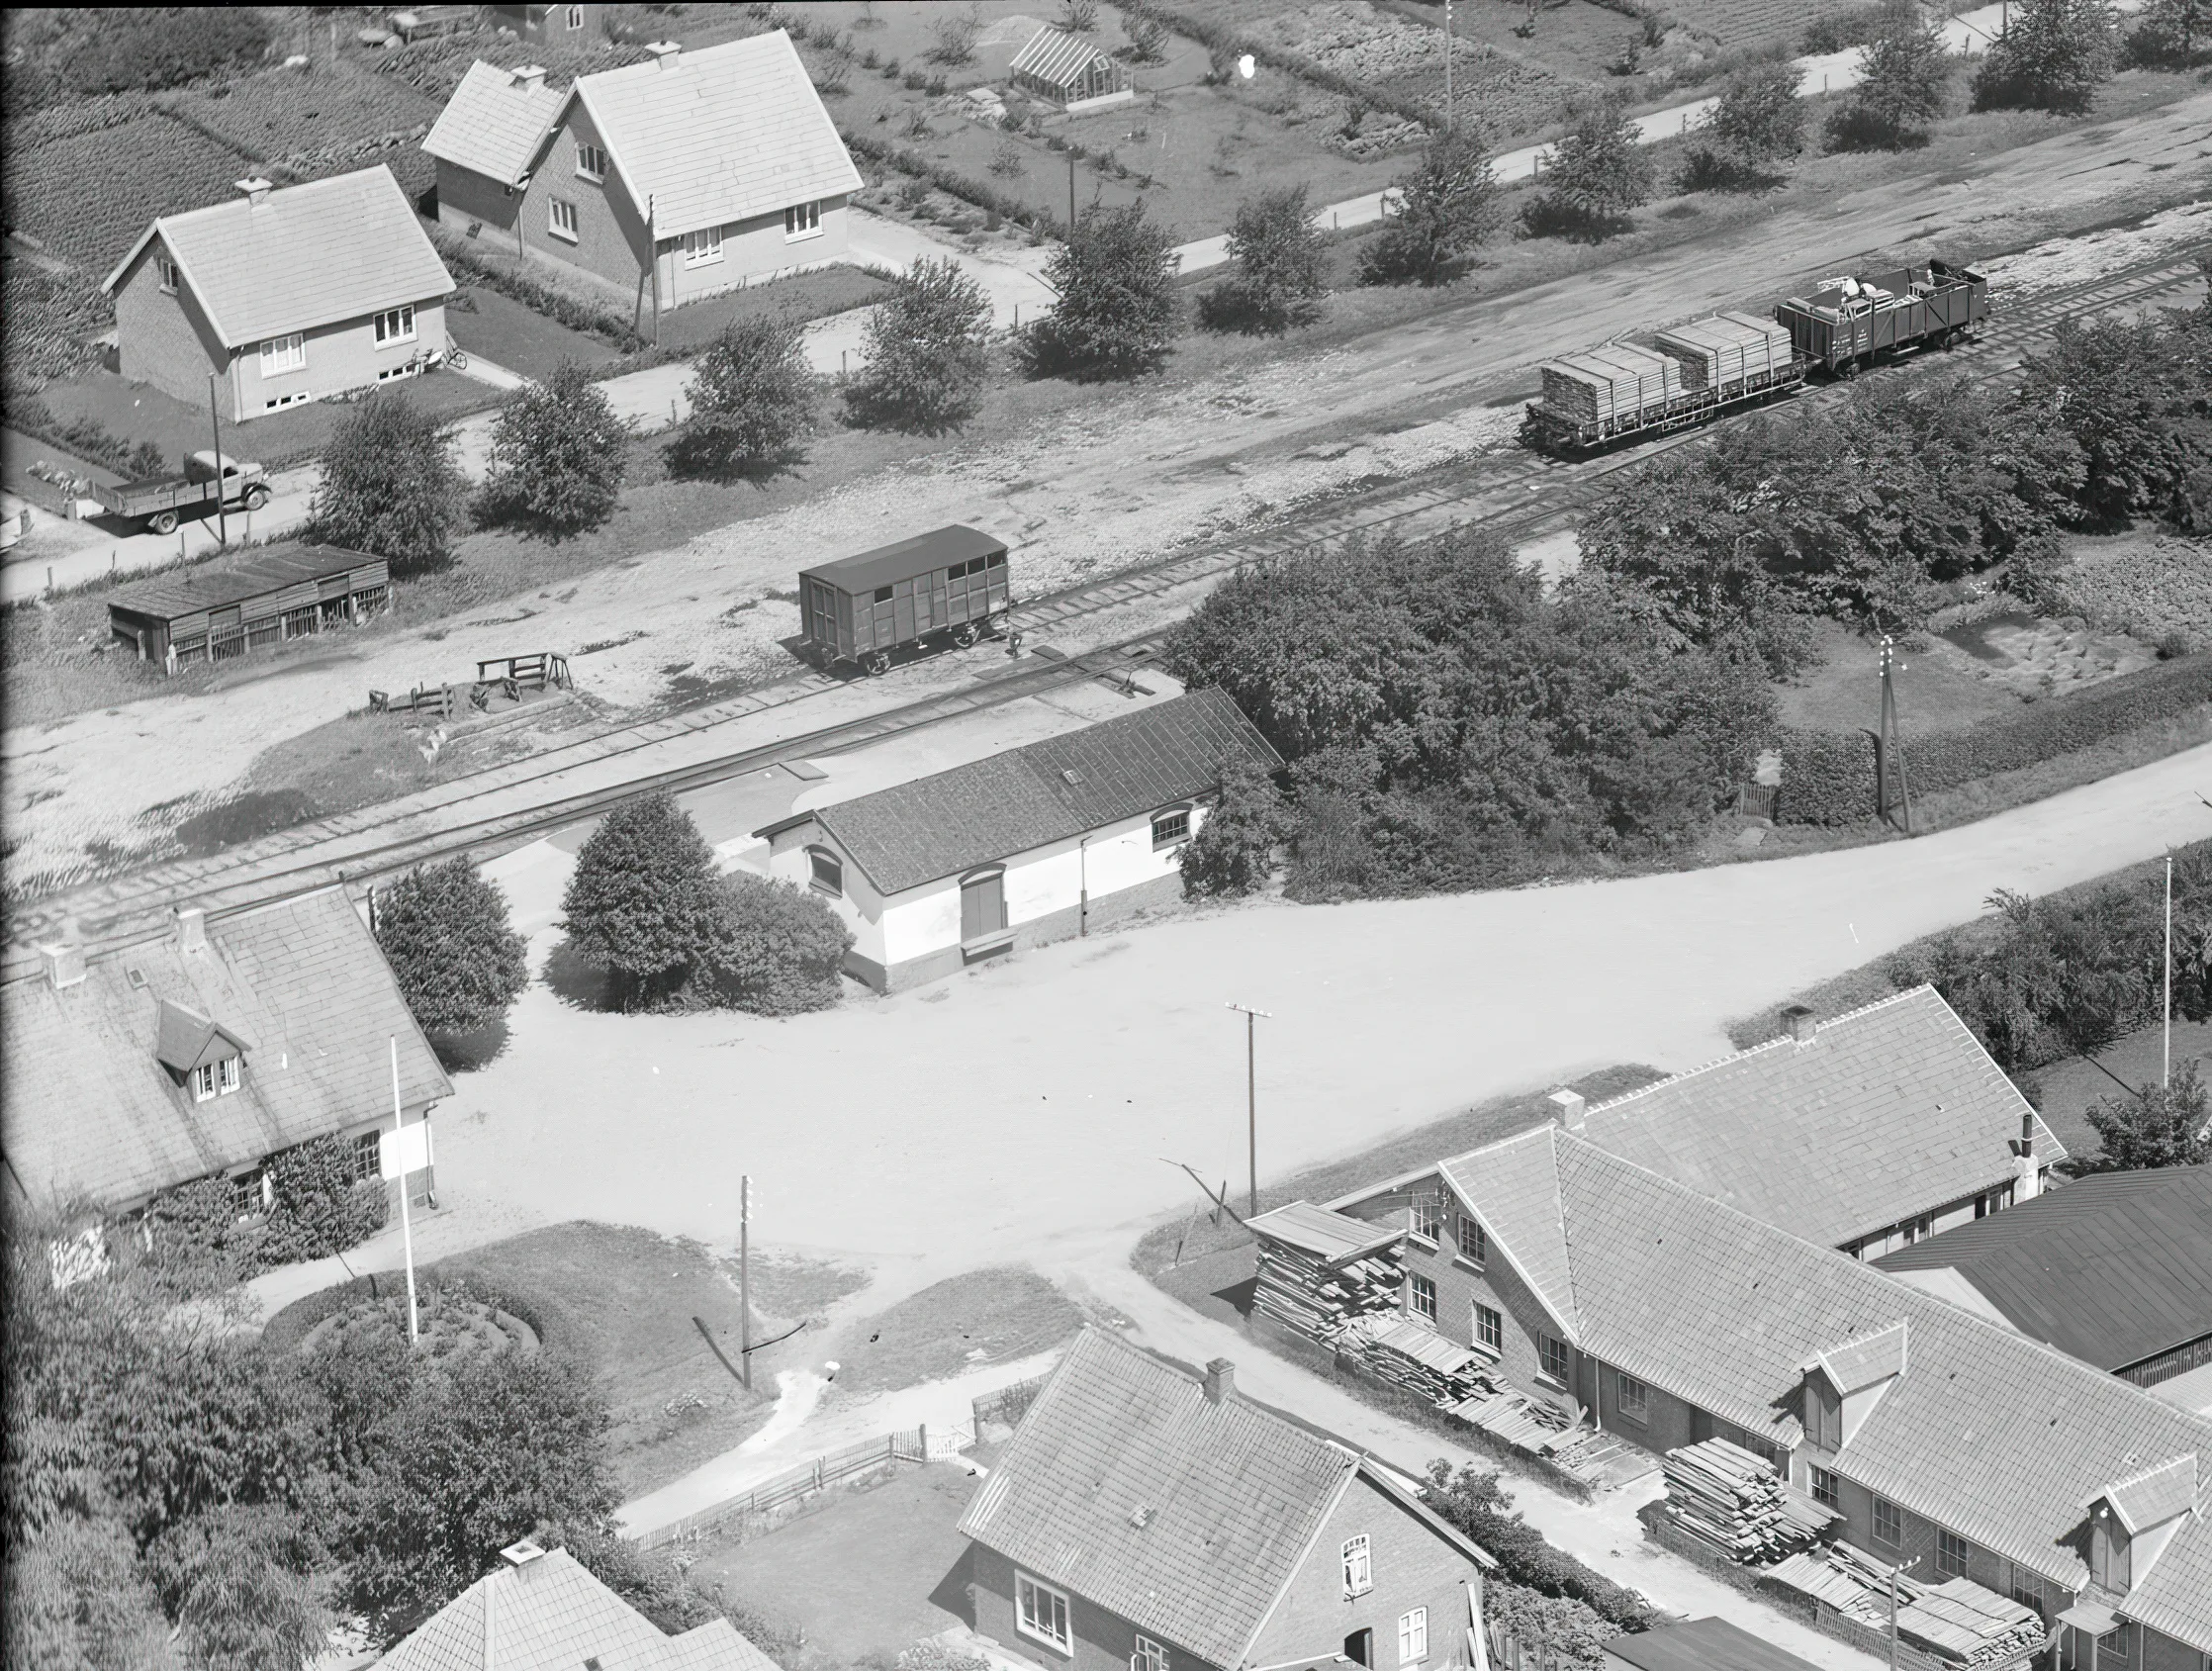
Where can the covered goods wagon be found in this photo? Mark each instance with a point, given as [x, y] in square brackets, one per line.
[948, 583]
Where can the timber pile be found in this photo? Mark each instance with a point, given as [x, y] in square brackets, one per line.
[1617, 380]
[1419, 1360]
[1957, 1621]
[1304, 1292]
[1724, 349]
[1731, 1502]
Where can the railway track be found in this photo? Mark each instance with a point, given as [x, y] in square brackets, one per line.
[1519, 493]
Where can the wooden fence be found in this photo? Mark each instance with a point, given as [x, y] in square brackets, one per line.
[1008, 1403]
[909, 1445]
[505, 676]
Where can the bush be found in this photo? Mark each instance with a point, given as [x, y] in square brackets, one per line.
[927, 168]
[2170, 34]
[1906, 84]
[780, 950]
[2052, 57]
[1115, 278]
[1759, 115]
[2135, 399]
[318, 1205]
[444, 930]
[1234, 851]
[926, 353]
[558, 457]
[644, 902]
[953, 34]
[1597, 172]
[1827, 776]
[1558, 1633]
[1280, 267]
[390, 484]
[1475, 1503]
[751, 398]
[1836, 31]
[2167, 1125]
[1447, 207]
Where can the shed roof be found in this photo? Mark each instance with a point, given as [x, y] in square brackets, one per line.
[1056, 57]
[90, 1109]
[905, 559]
[1332, 1236]
[1703, 1644]
[306, 256]
[2113, 1268]
[1014, 803]
[494, 122]
[273, 568]
[720, 134]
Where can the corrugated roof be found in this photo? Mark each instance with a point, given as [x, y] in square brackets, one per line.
[270, 569]
[2113, 1268]
[1332, 1236]
[1055, 56]
[89, 1109]
[308, 255]
[992, 809]
[494, 122]
[552, 1615]
[1890, 1110]
[903, 559]
[724, 133]
[1870, 1358]
[1703, 1644]
[2155, 1495]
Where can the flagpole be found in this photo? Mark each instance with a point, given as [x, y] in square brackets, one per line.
[407, 1222]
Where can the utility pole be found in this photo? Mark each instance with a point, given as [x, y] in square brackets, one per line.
[221, 527]
[1252, 1100]
[1894, 1571]
[1448, 66]
[1071, 195]
[1889, 747]
[745, 1277]
[407, 1221]
[2165, 1073]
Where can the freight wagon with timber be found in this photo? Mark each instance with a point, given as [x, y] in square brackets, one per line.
[1694, 372]
[952, 584]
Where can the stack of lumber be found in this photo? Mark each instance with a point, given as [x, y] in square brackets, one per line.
[1722, 351]
[1957, 1621]
[1306, 1293]
[1616, 381]
[1732, 1502]
[1420, 1360]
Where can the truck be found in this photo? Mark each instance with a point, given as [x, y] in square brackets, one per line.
[160, 503]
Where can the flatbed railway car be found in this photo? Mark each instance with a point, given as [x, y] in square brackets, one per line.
[1619, 389]
[953, 583]
[1848, 323]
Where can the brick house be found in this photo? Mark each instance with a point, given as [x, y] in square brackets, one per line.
[284, 296]
[483, 143]
[1142, 1518]
[206, 1053]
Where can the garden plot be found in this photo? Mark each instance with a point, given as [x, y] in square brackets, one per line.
[297, 116]
[2033, 657]
[2152, 586]
[87, 197]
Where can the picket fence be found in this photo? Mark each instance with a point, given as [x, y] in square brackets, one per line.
[908, 1444]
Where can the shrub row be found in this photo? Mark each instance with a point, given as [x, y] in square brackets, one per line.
[950, 180]
[555, 305]
[1220, 39]
[1827, 777]
[1478, 1506]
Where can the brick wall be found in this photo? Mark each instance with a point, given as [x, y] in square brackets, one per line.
[467, 198]
[609, 237]
[166, 339]
[1103, 1640]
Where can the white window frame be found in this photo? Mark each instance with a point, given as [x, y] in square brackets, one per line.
[816, 858]
[203, 1083]
[586, 156]
[166, 271]
[1149, 1656]
[1171, 828]
[1360, 1566]
[704, 247]
[802, 221]
[1634, 1396]
[1416, 1285]
[1027, 1593]
[1489, 1322]
[575, 19]
[297, 398]
[395, 325]
[227, 1076]
[561, 219]
[1883, 1510]
[1424, 1218]
[1413, 1636]
[283, 355]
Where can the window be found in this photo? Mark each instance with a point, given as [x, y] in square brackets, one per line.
[702, 249]
[280, 354]
[1635, 1399]
[1427, 1217]
[2109, 1562]
[203, 1081]
[166, 270]
[298, 397]
[2027, 1588]
[396, 324]
[1170, 826]
[1554, 1358]
[576, 19]
[1949, 1555]
[882, 595]
[1823, 1414]
[563, 218]
[2117, 1646]
[590, 162]
[1889, 1521]
[1040, 1611]
[1473, 1244]
[983, 909]
[1149, 1656]
[247, 1193]
[1490, 1328]
[227, 1075]
[828, 871]
[802, 219]
[1359, 1569]
[1413, 1636]
[368, 1159]
[1420, 1299]
[1824, 1490]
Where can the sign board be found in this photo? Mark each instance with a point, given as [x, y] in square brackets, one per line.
[406, 1149]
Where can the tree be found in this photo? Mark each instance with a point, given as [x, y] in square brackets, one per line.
[1115, 278]
[1473, 1501]
[1596, 174]
[445, 932]
[927, 352]
[2158, 1126]
[1445, 208]
[558, 457]
[751, 398]
[1234, 851]
[644, 903]
[779, 950]
[2051, 57]
[1905, 84]
[390, 484]
[1758, 120]
[1281, 269]
[242, 1584]
[2131, 399]
[2171, 34]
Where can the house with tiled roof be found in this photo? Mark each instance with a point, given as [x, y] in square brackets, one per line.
[1658, 1314]
[1022, 848]
[483, 143]
[284, 295]
[2115, 1270]
[1144, 1517]
[698, 172]
[541, 1610]
[205, 1055]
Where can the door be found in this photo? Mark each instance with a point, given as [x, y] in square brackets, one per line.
[982, 906]
[1359, 1648]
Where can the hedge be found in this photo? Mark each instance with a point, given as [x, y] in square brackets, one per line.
[1827, 776]
[1219, 38]
[556, 305]
[950, 180]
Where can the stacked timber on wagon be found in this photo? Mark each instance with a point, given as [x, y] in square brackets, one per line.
[1958, 1620]
[1320, 1270]
[1730, 1501]
[1611, 383]
[1726, 349]
[1693, 371]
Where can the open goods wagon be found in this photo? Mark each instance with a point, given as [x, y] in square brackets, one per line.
[1689, 373]
[1847, 321]
[951, 582]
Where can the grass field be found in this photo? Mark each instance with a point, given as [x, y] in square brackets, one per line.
[991, 1316]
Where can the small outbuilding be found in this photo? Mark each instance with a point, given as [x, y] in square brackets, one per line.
[287, 591]
[483, 143]
[1071, 72]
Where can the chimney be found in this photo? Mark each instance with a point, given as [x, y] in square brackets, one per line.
[665, 53]
[63, 964]
[2027, 1182]
[1569, 1106]
[1221, 1381]
[256, 190]
[192, 928]
[523, 1553]
[531, 77]
[1800, 1023]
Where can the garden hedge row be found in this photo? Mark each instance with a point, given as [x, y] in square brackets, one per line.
[1219, 38]
[556, 305]
[950, 180]
[1827, 776]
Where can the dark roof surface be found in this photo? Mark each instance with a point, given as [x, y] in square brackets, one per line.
[1703, 1644]
[2111, 1269]
[923, 554]
[1045, 791]
[271, 568]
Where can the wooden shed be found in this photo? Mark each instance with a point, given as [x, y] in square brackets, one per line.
[282, 591]
[1070, 72]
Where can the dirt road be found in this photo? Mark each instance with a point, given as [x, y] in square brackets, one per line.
[1114, 483]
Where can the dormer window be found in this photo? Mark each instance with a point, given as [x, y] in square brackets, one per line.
[2109, 1552]
[1824, 1414]
[215, 1078]
[200, 1054]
